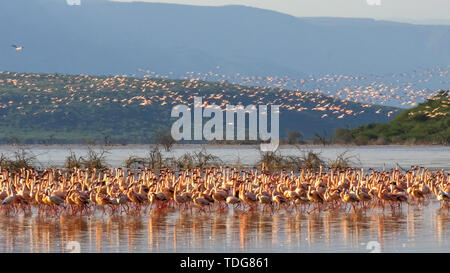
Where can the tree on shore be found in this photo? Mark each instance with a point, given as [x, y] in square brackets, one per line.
[164, 138]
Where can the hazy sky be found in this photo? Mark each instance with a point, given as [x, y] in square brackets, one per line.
[408, 10]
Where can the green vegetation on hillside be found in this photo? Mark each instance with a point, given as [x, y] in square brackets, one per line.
[428, 123]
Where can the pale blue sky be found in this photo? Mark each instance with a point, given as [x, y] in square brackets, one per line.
[426, 11]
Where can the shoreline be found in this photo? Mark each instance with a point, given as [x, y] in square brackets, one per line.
[218, 146]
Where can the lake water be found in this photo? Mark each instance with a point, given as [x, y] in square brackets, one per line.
[413, 229]
[433, 157]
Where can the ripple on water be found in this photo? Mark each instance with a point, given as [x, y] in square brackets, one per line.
[413, 229]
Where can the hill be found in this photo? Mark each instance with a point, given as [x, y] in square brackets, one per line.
[55, 108]
[428, 123]
[108, 38]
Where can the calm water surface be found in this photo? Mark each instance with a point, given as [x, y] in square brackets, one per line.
[433, 157]
[413, 229]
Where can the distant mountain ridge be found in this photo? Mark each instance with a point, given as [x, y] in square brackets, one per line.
[105, 38]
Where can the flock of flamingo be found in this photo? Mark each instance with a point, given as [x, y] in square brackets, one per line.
[216, 189]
